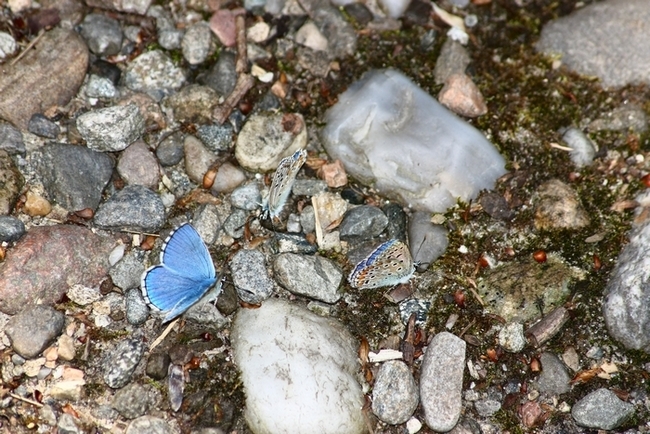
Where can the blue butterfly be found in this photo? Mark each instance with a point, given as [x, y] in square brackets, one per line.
[283, 180]
[184, 275]
[389, 264]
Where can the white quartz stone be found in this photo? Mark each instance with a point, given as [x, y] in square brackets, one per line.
[391, 134]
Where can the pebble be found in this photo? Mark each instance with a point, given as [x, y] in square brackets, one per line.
[27, 86]
[310, 36]
[496, 206]
[584, 150]
[120, 362]
[362, 223]
[137, 311]
[12, 183]
[100, 87]
[554, 378]
[222, 76]
[590, 37]
[601, 409]
[155, 74]
[170, 150]
[34, 329]
[487, 407]
[135, 208]
[7, 45]
[234, 224]
[414, 306]
[558, 207]
[453, 59]
[157, 365]
[207, 221]
[250, 277]
[307, 221]
[11, 229]
[66, 348]
[111, 129]
[102, 34]
[428, 241]
[138, 165]
[623, 118]
[192, 104]
[47, 260]
[310, 276]
[135, 400]
[222, 23]
[309, 187]
[11, 140]
[83, 295]
[36, 205]
[511, 337]
[126, 273]
[43, 127]
[169, 37]
[394, 395]
[340, 34]
[441, 381]
[246, 197]
[102, 69]
[198, 159]
[206, 313]
[298, 370]
[149, 425]
[267, 138]
[627, 294]
[294, 243]
[197, 43]
[462, 96]
[228, 179]
[67, 425]
[216, 137]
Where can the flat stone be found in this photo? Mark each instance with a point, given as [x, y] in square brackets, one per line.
[135, 207]
[111, 129]
[312, 276]
[26, 87]
[394, 395]
[33, 329]
[601, 409]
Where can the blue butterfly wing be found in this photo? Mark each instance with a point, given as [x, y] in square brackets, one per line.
[185, 273]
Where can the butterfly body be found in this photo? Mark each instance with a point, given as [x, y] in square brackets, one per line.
[389, 264]
[184, 275]
[283, 180]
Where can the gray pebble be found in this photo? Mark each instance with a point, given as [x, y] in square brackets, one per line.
[363, 222]
[395, 395]
[120, 363]
[427, 241]
[157, 365]
[294, 243]
[414, 306]
[171, 39]
[137, 311]
[196, 43]
[487, 407]
[453, 59]
[11, 139]
[170, 150]
[75, 176]
[111, 129]
[67, 425]
[149, 425]
[307, 219]
[396, 229]
[554, 378]
[222, 76]
[33, 329]
[207, 222]
[584, 150]
[135, 207]
[511, 337]
[216, 137]
[11, 229]
[102, 34]
[308, 187]
[138, 165]
[234, 224]
[100, 87]
[154, 73]
[601, 409]
[311, 276]
[246, 197]
[43, 127]
[135, 400]
[126, 273]
[250, 277]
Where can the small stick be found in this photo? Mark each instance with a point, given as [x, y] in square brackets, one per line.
[241, 66]
[244, 83]
[560, 147]
[164, 334]
[29, 401]
[28, 47]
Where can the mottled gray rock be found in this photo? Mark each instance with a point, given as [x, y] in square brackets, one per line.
[247, 197]
[135, 207]
[198, 159]
[511, 337]
[155, 74]
[127, 272]
[11, 139]
[138, 165]
[605, 39]
[453, 59]
[120, 362]
[100, 87]
[170, 150]
[102, 34]
[149, 425]
[601, 409]
[207, 222]
[137, 311]
[309, 187]
[11, 229]
[222, 76]
[294, 243]
[487, 407]
[135, 400]
[252, 282]
[192, 104]
[33, 329]
[312, 276]
[234, 224]
[197, 42]
[362, 223]
[427, 241]
[75, 176]
[11, 181]
[43, 127]
[111, 129]
[441, 381]
[216, 137]
[554, 378]
[394, 395]
[627, 295]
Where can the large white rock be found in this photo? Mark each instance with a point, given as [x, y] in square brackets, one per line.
[298, 371]
[391, 134]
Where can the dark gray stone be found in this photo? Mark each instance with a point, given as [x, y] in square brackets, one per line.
[135, 207]
[102, 34]
[396, 228]
[11, 229]
[222, 76]
[75, 176]
[11, 139]
[157, 365]
[216, 137]
[135, 400]
[127, 272]
[43, 127]
[33, 329]
[363, 222]
[170, 150]
[120, 363]
[554, 378]
[310, 276]
[601, 409]
[137, 311]
[249, 274]
[427, 241]
[246, 197]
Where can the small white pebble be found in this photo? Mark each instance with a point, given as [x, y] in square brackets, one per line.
[116, 254]
[413, 425]
[463, 249]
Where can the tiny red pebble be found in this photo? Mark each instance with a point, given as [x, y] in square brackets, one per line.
[206, 336]
[492, 355]
[483, 262]
[459, 298]
[646, 180]
[540, 256]
[597, 263]
[535, 366]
